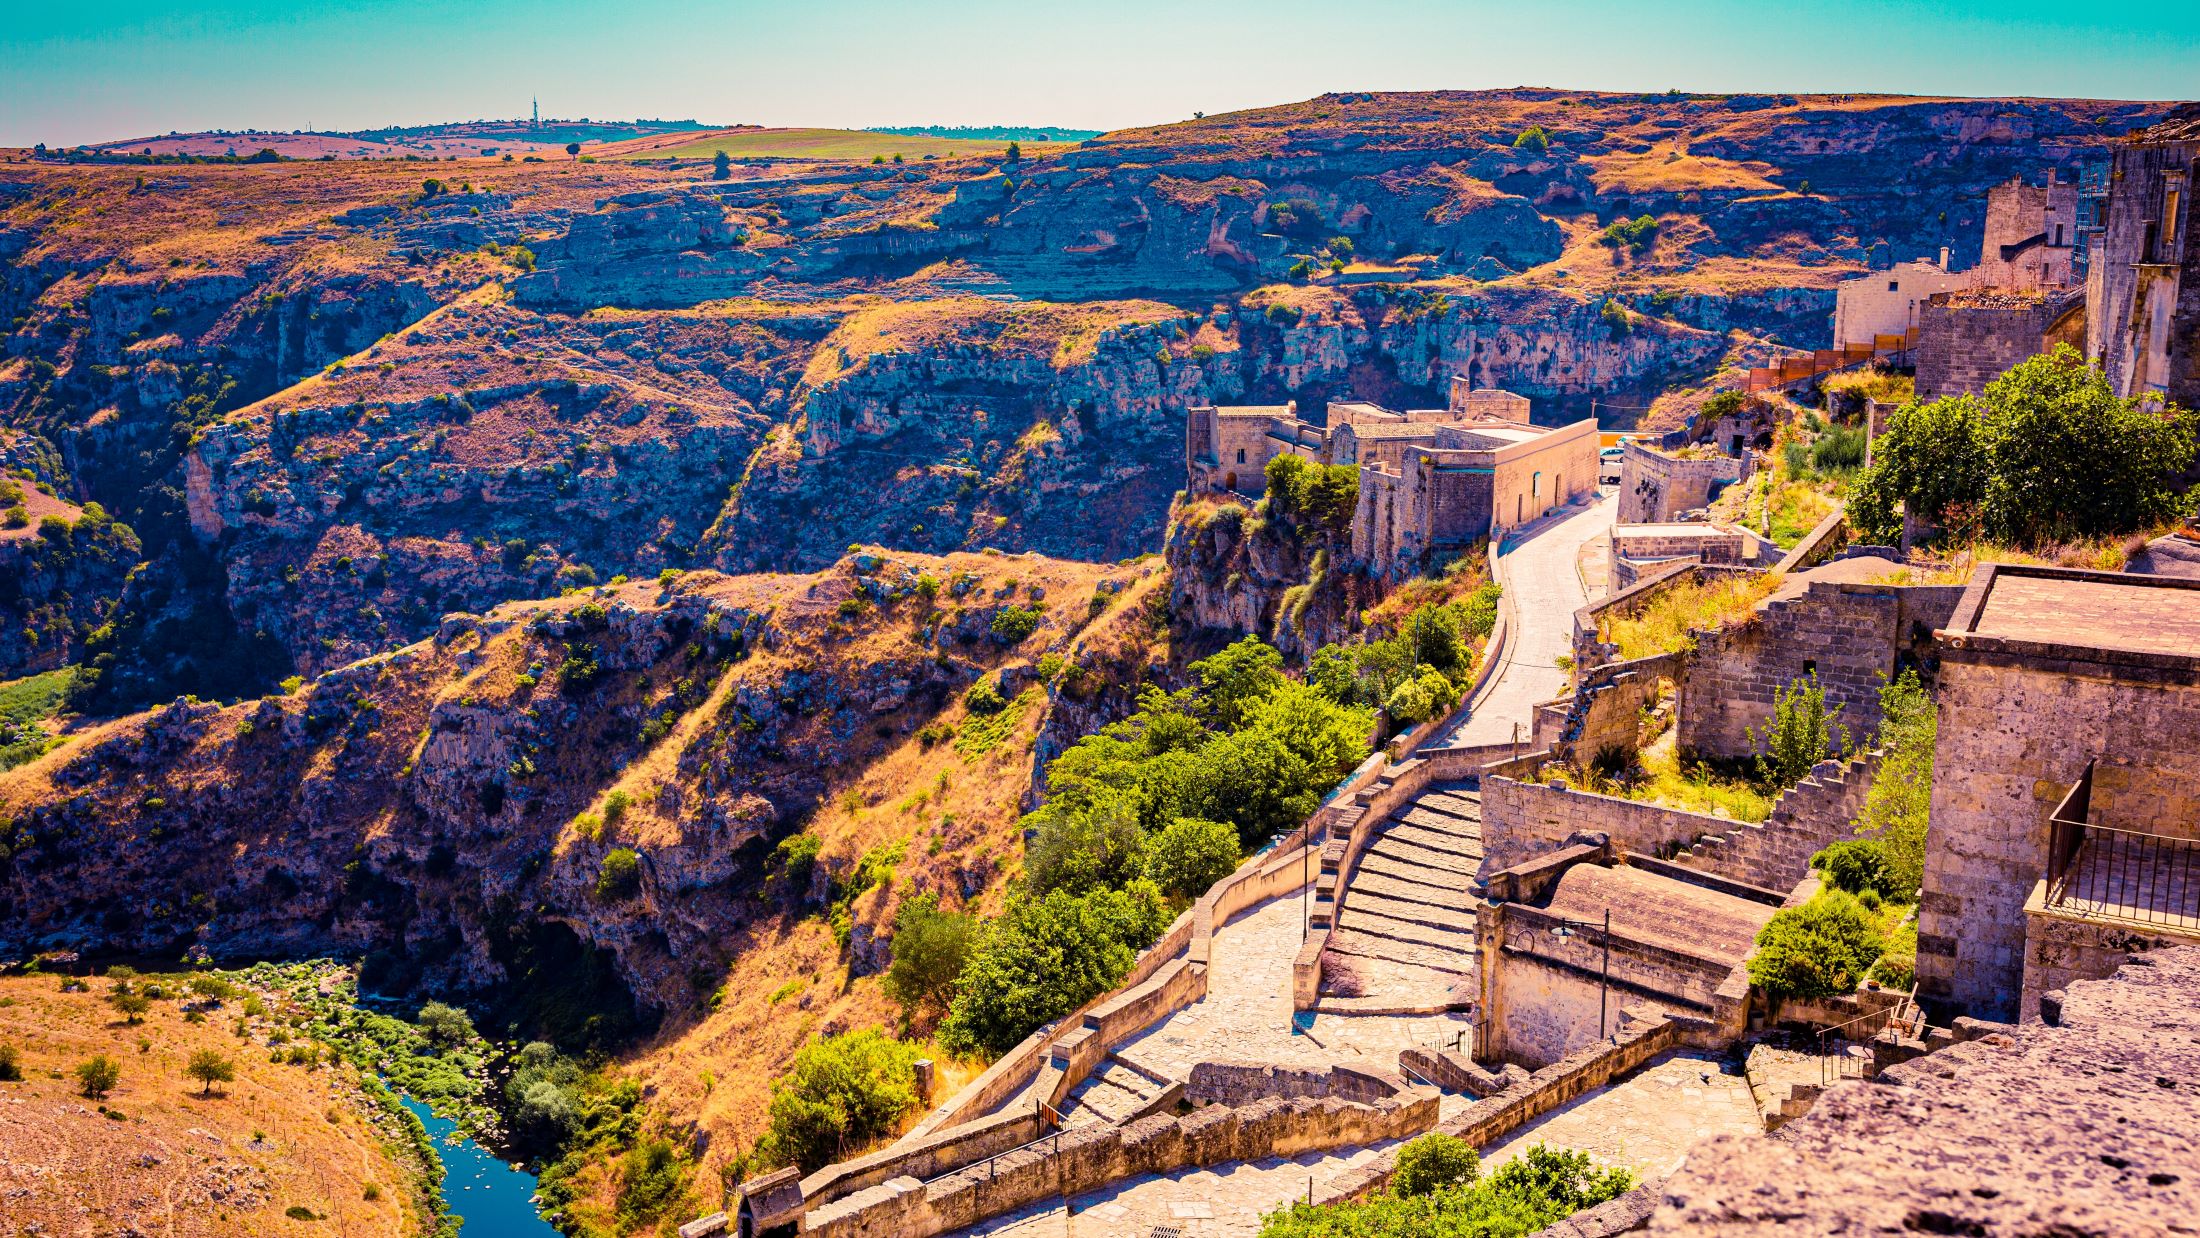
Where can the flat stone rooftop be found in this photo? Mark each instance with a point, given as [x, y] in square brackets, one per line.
[2090, 610]
[1661, 911]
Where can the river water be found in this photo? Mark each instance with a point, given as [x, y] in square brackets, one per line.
[496, 1199]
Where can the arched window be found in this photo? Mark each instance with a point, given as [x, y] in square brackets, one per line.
[1535, 485]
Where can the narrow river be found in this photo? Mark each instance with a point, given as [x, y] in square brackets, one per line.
[496, 1199]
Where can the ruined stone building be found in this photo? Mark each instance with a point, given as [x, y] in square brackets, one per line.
[2143, 286]
[1430, 479]
[2030, 246]
[2066, 777]
[1657, 486]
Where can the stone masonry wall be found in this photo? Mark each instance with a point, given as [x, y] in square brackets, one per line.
[1655, 487]
[1853, 636]
[1961, 348]
[2015, 735]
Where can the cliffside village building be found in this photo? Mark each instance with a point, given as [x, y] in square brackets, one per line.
[2143, 286]
[1430, 479]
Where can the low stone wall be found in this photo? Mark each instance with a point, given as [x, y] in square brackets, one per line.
[1591, 652]
[1086, 1158]
[936, 1154]
[1242, 1083]
[1492, 1118]
[1547, 995]
[1826, 539]
[1605, 711]
[1521, 820]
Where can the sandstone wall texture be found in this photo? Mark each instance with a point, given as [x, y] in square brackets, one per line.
[1962, 346]
[1853, 637]
[2082, 1130]
[2143, 299]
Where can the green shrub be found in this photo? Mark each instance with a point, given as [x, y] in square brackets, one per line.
[1820, 949]
[620, 876]
[984, 697]
[1854, 866]
[1900, 800]
[98, 1075]
[839, 1095]
[1014, 623]
[1427, 695]
[1526, 1194]
[1044, 957]
[1534, 139]
[444, 1025]
[1897, 965]
[653, 1182]
[931, 948]
[797, 855]
[1190, 855]
[1433, 1161]
[11, 1064]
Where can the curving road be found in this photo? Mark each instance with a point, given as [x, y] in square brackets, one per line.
[1543, 586]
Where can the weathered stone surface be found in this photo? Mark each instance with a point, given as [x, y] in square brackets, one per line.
[2082, 1130]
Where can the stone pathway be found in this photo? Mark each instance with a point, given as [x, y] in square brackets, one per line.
[1647, 1122]
[1405, 938]
[1544, 584]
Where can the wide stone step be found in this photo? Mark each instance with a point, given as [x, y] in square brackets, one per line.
[1453, 844]
[1457, 803]
[1436, 822]
[1367, 945]
[1451, 884]
[1101, 1098]
[1456, 918]
[1408, 932]
[1449, 896]
[1425, 857]
[1383, 983]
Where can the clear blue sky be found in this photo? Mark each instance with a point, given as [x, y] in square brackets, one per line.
[77, 71]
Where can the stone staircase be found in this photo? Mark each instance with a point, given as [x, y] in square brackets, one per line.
[1404, 937]
[1119, 1091]
[1775, 853]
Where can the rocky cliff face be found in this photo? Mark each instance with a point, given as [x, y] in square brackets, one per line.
[446, 800]
[334, 400]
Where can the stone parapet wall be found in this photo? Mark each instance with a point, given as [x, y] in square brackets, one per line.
[1086, 1158]
[1493, 1117]
[1851, 636]
[2060, 947]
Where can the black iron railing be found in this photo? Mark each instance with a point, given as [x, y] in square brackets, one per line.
[2099, 870]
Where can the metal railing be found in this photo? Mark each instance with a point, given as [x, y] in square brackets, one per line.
[1837, 1045]
[2122, 874]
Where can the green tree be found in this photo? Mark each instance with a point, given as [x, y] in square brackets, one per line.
[1254, 781]
[1330, 738]
[573, 149]
[1427, 695]
[2046, 452]
[1014, 154]
[98, 1075]
[620, 876]
[444, 1025]
[1044, 957]
[1820, 949]
[839, 1095]
[931, 948]
[209, 1068]
[1081, 847]
[1901, 796]
[131, 1003]
[1801, 733]
[721, 168]
[11, 1064]
[1190, 855]
[1238, 678]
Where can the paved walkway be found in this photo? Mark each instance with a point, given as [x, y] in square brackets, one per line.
[1648, 1121]
[1544, 584]
[1194, 1203]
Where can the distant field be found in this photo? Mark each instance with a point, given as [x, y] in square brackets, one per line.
[811, 144]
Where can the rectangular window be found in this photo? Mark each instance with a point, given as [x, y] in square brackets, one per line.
[1894, 285]
[2169, 212]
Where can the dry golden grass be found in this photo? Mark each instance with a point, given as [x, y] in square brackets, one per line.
[279, 1136]
[1669, 168]
[1064, 334]
[1667, 623]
